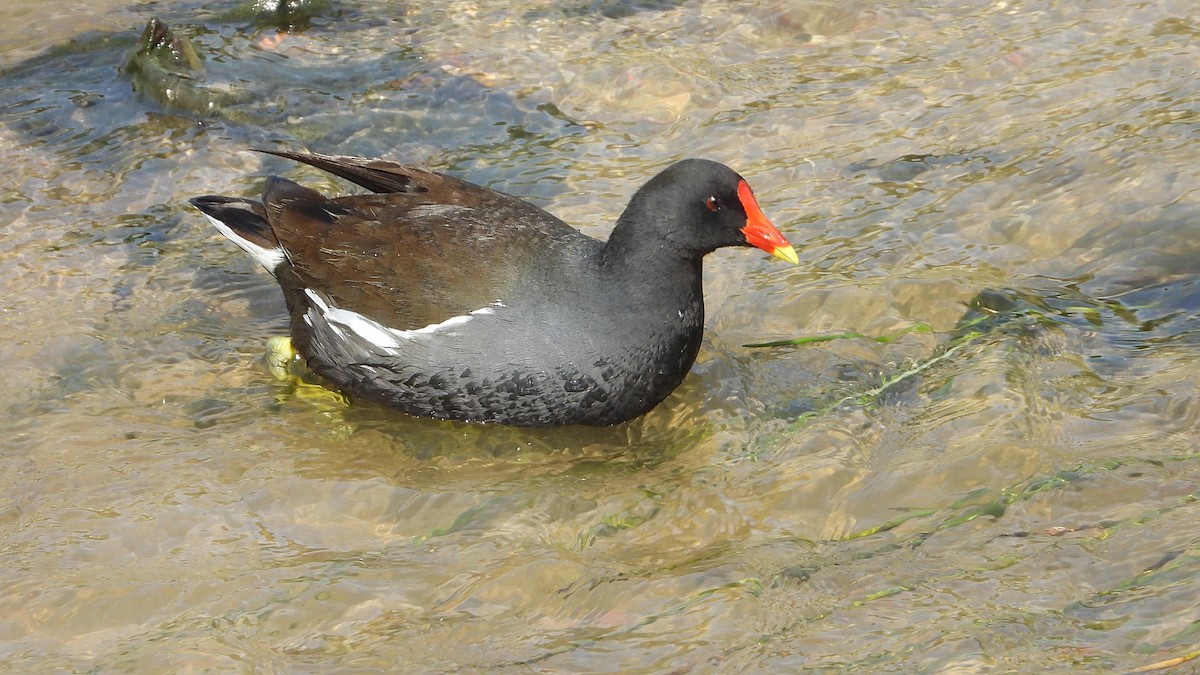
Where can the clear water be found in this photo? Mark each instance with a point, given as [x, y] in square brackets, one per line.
[1016, 494]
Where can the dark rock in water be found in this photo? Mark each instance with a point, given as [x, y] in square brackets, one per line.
[166, 67]
[1164, 309]
[283, 15]
[163, 48]
[611, 9]
[212, 69]
[905, 167]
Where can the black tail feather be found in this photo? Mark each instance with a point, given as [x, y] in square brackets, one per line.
[247, 219]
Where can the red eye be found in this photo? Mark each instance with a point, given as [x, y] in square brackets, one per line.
[713, 203]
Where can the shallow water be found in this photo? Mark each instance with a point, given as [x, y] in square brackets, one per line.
[1010, 488]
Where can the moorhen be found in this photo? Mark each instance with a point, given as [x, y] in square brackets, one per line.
[449, 300]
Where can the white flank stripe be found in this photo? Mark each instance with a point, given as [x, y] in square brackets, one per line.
[267, 257]
[378, 334]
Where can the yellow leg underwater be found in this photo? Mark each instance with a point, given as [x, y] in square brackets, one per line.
[280, 355]
[286, 365]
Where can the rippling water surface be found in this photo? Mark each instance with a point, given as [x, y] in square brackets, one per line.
[1003, 193]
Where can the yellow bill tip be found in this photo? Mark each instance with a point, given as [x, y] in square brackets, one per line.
[786, 253]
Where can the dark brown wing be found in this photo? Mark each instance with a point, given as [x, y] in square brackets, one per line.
[376, 175]
[382, 176]
[427, 248]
